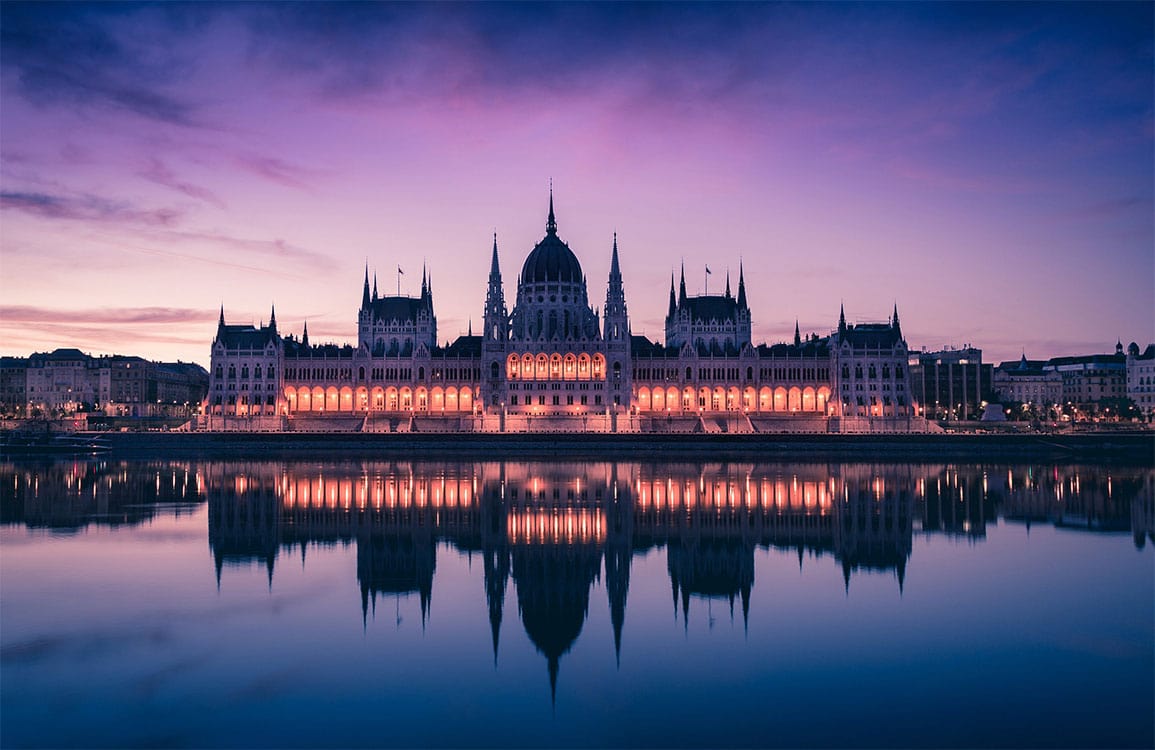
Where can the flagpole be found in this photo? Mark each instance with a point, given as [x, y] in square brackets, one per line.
[398, 281]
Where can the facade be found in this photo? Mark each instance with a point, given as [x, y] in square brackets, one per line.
[1141, 378]
[1090, 379]
[554, 362]
[13, 386]
[68, 381]
[1028, 382]
[952, 383]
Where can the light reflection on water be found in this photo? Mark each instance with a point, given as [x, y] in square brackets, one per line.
[601, 603]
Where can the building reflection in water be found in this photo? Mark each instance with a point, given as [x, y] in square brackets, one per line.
[555, 529]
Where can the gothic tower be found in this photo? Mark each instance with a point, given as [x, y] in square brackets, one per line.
[495, 336]
[616, 334]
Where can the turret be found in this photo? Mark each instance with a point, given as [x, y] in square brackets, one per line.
[841, 319]
[728, 295]
[673, 298]
[273, 320]
[682, 287]
[797, 334]
[365, 299]
[894, 321]
[741, 288]
[305, 335]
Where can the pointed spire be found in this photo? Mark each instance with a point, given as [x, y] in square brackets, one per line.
[673, 298]
[365, 292]
[469, 332]
[741, 288]
[728, 295]
[615, 268]
[682, 286]
[894, 321]
[494, 268]
[841, 318]
[797, 334]
[551, 222]
[305, 335]
[424, 282]
[221, 322]
[273, 319]
[374, 286]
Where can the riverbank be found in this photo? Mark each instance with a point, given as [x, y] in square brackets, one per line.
[1124, 447]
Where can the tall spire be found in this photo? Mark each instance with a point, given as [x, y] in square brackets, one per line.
[305, 335]
[728, 295]
[495, 322]
[615, 269]
[365, 291]
[273, 319]
[673, 298]
[682, 286]
[424, 281]
[741, 287]
[221, 322]
[894, 321]
[374, 286]
[797, 334]
[841, 318]
[551, 222]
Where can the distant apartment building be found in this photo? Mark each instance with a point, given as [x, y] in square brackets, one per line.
[67, 381]
[1089, 379]
[1141, 377]
[952, 383]
[1028, 382]
[63, 381]
[13, 385]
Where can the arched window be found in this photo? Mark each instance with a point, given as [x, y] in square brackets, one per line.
[421, 373]
[493, 370]
[689, 373]
[361, 373]
[269, 371]
[617, 370]
[749, 373]
[220, 371]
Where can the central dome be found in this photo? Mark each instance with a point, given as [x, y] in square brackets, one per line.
[551, 259]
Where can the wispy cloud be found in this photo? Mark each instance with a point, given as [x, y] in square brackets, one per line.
[159, 228]
[105, 315]
[277, 170]
[159, 173]
[83, 207]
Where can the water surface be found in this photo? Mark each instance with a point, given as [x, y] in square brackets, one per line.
[338, 604]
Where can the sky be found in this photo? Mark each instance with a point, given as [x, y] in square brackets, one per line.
[987, 167]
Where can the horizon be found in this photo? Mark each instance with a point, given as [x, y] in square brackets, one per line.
[988, 168]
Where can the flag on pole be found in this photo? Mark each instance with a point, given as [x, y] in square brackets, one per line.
[400, 271]
[708, 270]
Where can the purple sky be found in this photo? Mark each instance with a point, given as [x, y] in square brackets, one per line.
[989, 167]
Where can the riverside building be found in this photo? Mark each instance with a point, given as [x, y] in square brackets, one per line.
[555, 362]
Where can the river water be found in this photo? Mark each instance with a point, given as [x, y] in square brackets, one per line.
[597, 603]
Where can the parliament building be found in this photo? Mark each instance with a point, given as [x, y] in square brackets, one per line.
[556, 363]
